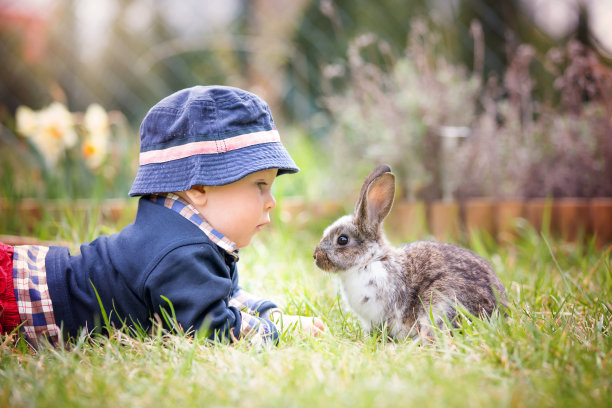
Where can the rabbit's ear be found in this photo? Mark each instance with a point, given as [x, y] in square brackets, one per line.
[376, 200]
[378, 171]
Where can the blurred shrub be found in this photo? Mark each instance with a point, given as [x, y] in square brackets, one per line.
[521, 147]
[55, 153]
[396, 116]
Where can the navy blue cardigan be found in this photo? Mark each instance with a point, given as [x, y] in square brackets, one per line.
[160, 254]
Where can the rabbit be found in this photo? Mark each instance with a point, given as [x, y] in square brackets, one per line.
[403, 289]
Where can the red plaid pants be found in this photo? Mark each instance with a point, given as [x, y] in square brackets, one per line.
[9, 314]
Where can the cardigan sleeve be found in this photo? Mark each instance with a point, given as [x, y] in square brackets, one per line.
[249, 303]
[197, 283]
[256, 326]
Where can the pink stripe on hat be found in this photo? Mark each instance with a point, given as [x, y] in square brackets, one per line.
[209, 147]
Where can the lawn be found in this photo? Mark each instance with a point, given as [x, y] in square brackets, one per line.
[554, 349]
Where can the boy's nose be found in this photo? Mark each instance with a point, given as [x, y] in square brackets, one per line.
[270, 203]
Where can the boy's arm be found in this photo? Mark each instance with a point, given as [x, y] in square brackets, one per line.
[268, 311]
[196, 281]
[258, 330]
[312, 326]
[256, 325]
[251, 304]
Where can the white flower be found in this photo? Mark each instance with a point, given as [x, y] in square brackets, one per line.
[97, 126]
[50, 130]
[56, 121]
[96, 119]
[27, 121]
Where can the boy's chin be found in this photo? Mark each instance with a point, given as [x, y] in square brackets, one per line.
[243, 243]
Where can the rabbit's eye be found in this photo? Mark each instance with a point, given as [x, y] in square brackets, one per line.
[342, 240]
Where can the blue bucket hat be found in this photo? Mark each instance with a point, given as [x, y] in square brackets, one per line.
[207, 135]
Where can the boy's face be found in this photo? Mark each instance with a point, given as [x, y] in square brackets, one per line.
[241, 209]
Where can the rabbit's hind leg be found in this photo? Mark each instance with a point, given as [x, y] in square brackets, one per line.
[437, 316]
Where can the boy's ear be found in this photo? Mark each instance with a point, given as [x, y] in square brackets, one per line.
[197, 195]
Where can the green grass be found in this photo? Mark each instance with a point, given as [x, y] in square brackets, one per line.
[553, 350]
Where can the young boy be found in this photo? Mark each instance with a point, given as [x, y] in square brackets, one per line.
[208, 158]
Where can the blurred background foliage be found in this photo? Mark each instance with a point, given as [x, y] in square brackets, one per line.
[462, 97]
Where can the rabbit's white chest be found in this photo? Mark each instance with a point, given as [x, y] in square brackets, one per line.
[363, 290]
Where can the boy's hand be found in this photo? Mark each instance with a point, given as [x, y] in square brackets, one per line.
[312, 326]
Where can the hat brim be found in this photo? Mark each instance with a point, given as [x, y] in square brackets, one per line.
[217, 169]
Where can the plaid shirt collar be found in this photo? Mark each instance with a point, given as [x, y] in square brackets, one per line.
[188, 211]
